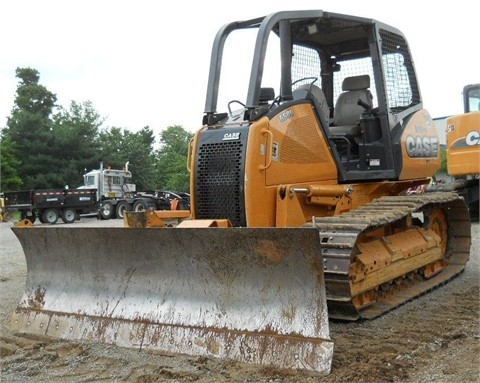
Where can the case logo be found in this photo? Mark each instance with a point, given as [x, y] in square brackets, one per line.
[284, 116]
[231, 136]
[473, 138]
[422, 146]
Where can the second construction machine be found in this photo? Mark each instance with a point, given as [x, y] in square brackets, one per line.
[297, 202]
[463, 151]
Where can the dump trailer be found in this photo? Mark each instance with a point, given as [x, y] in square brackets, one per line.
[298, 208]
[463, 151]
[49, 205]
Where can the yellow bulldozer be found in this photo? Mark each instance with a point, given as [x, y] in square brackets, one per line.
[4, 214]
[463, 151]
[299, 212]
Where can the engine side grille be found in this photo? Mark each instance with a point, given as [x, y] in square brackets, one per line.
[219, 175]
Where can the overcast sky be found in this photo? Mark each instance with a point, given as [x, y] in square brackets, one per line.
[145, 62]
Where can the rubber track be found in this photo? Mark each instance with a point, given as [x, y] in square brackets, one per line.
[338, 235]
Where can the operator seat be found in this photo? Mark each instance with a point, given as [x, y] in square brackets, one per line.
[320, 98]
[347, 111]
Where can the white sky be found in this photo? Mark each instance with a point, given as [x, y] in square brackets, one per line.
[145, 62]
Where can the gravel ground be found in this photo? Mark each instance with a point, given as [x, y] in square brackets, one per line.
[435, 338]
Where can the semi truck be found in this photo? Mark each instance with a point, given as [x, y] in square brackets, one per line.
[106, 192]
[116, 193]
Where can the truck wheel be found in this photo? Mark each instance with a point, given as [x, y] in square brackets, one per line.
[140, 205]
[122, 207]
[69, 215]
[24, 215]
[107, 211]
[50, 216]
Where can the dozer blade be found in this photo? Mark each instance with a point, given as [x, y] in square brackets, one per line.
[251, 295]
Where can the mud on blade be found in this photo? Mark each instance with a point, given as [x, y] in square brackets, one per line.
[251, 295]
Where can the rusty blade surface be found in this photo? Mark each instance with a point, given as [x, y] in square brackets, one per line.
[252, 295]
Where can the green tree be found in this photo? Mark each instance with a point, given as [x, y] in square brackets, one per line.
[140, 151]
[118, 146]
[29, 130]
[9, 178]
[443, 157]
[76, 132]
[171, 164]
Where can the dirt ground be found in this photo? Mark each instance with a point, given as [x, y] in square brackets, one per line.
[435, 338]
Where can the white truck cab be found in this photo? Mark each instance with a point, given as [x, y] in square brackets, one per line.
[110, 183]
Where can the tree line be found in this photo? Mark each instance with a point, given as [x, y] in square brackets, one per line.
[44, 145]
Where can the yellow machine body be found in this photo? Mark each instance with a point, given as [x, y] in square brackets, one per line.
[299, 210]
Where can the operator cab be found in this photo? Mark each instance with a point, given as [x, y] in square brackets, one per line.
[357, 73]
